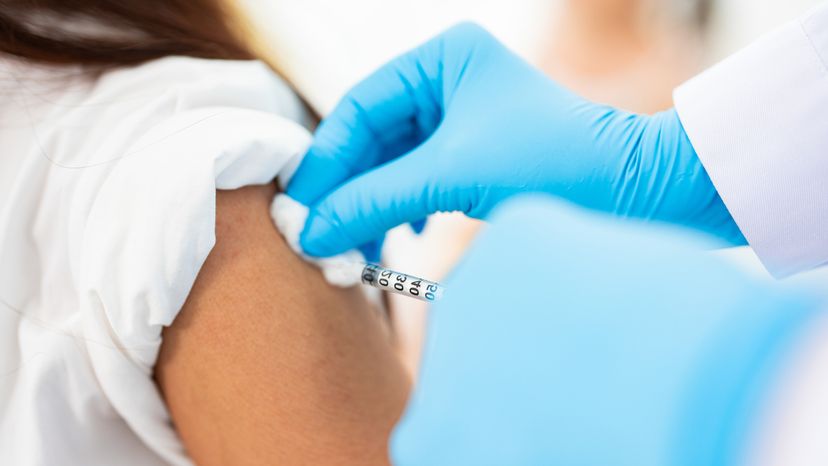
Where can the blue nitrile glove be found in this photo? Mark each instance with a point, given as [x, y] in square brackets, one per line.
[461, 123]
[572, 338]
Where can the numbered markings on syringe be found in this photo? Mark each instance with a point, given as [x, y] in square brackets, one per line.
[400, 283]
[406, 284]
[419, 287]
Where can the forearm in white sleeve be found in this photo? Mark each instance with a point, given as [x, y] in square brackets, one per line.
[759, 123]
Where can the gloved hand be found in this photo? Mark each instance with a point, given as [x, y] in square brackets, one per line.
[461, 123]
[568, 338]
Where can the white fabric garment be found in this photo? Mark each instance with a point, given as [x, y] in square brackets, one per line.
[759, 122]
[107, 209]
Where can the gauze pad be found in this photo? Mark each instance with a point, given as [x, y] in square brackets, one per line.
[343, 270]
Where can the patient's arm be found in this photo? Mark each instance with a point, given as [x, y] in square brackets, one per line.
[266, 364]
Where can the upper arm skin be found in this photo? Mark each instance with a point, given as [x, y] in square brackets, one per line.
[267, 364]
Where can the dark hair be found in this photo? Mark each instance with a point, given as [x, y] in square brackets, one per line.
[118, 32]
[703, 11]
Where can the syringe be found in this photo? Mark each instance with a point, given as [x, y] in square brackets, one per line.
[401, 283]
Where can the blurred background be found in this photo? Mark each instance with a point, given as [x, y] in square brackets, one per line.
[627, 53]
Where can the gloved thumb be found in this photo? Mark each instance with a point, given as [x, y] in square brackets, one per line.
[364, 208]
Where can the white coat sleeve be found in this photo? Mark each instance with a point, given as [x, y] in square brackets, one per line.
[759, 123]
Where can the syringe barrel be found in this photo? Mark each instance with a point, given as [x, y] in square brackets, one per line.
[401, 283]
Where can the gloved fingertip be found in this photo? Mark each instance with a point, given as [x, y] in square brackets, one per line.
[316, 238]
[418, 226]
[316, 175]
[373, 250]
[302, 186]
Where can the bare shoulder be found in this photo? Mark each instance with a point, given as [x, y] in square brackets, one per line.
[267, 364]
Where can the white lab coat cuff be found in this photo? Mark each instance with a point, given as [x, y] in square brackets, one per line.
[759, 124]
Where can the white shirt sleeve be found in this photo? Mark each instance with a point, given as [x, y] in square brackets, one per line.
[148, 234]
[174, 131]
[759, 123]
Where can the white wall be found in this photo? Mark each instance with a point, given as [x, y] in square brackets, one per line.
[325, 46]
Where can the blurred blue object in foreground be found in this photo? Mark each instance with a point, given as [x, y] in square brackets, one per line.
[569, 339]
